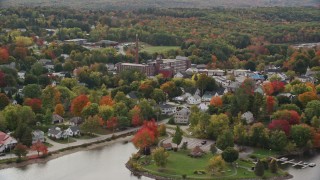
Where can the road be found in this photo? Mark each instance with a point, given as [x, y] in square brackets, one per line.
[58, 146]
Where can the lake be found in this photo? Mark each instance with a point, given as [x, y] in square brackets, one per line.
[108, 162]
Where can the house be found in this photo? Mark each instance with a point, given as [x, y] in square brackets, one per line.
[207, 96]
[248, 116]
[55, 132]
[196, 152]
[196, 99]
[216, 72]
[167, 109]
[37, 135]
[6, 142]
[203, 106]
[132, 95]
[182, 116]
[232, 87]
[56, 119]
[167, 146]
[75, 121]
[240, 72]
[257, 77]
[73, 131]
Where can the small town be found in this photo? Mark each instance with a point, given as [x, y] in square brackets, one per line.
[177, 96]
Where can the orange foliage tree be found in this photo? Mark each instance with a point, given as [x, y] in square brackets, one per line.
[216, 101]
[136, 117]
[106, 100]
[306, 97]
[59, 109]
[268, 88]
[270, 103]
[78, 104]
[112, 123]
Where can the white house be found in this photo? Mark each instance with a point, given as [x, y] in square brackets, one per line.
[37, 135]
[240, 72]
[196, 99]
[6, 142]
[72, 131]
[216, 72]
[167, 109]
[248, 116]
[57, 119]
[182, 116]
[203, 106]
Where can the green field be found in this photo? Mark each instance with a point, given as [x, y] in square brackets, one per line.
[180, 163]
[159, 49]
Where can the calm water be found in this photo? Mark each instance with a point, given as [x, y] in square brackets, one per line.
[107, 163]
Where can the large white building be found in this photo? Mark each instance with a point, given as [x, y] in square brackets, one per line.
[182, 116]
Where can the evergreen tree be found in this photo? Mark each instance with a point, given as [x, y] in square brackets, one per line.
[259, 169]
[273, 166]
[177, 138]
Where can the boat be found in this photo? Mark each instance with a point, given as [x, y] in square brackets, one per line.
[312, 164]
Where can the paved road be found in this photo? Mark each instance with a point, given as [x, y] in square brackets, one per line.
[57, 146]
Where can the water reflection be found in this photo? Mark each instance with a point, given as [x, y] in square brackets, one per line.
[98, 164]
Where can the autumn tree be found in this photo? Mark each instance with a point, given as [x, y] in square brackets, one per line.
[136, 117]
[279, 124]
[112, 123]
[90, 109]
[216, 165]
[4, 55]
[306, 97]
[277, 86]
[143, 139]
[91, 124]
[50, 97]
[59, 109]
[160, 157]
[78, 104]
[218, 124]
[268, 88]
[273, 166]
[270, 104]
[39, 147]
[216, 101]
[162, 130]
[290, 115]
[106, 100]
[20, 150]
[34, 103]
[105, 112]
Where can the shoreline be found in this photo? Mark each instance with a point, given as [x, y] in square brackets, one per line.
[70, 150]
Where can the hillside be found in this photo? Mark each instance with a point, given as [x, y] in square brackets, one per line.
[134, 4]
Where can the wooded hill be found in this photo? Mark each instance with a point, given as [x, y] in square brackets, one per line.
[135, 4]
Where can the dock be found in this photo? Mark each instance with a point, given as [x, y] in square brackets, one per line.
[292, 162]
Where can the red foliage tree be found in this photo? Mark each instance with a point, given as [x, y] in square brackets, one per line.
[278, 86]
[34, 103]
[4, 55]
[152, 125]
[2, 79]
[144, 138]
[106, 100]
[216, 101]
[136, 119]
[291, 116]
[39, 147]
[280, 124]
[78, 104]
[270, 103]
[112, 123]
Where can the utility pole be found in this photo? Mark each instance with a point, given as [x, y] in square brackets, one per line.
[137, 50]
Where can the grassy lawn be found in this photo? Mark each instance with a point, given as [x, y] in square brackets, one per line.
[102, 131]
[158, 49]
[47, 144]
[86, 136]
[180, 163]
[264, 153]
[65, 141]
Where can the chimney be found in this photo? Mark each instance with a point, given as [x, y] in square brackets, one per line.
[137, 50]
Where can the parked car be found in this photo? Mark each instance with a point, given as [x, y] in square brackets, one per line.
[2, 154]
[204, 142]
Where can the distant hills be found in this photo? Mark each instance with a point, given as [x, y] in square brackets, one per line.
[135, 4]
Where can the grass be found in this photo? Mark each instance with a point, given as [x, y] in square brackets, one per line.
[159, 49]
[180, 163]
[86, 136]
[263, 153]
[47, 144]
[65, 141]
